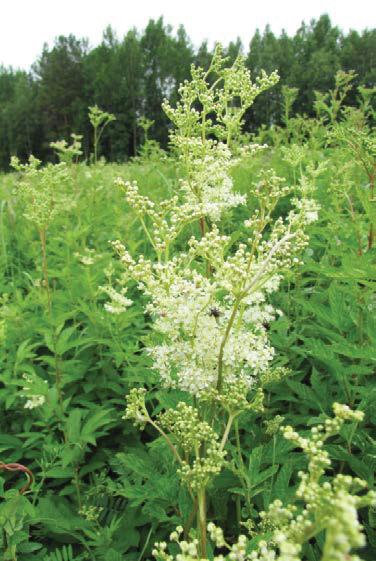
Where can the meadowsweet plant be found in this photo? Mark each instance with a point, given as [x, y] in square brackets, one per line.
[323, 506]
[68, 153]
[208, 126]
[209, 301]
[99, 120]
[289, 96]
[150, 150]
[328, 105]
[44, 190]
[45, 193]
[358, 142]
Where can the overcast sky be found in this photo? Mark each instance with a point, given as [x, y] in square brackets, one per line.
[26, 24]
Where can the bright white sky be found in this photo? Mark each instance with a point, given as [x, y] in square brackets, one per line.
[26, 24]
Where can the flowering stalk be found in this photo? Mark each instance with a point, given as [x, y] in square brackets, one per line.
[42, 236]
[45, 193]
[99, 120]
[209, 301]
[329, 506]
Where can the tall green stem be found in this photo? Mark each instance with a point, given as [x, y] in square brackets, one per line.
[202, 522]
[95, 145]
[43, 239]
[223, 344]
[42, 235]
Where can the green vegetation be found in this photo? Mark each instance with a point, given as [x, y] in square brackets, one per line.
[188, 340]
[129, 77]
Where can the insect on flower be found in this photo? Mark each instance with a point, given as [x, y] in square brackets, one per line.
[214, 312]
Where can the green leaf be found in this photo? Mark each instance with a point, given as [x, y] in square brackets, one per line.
[60, 473]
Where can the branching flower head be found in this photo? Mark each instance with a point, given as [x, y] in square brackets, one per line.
[68, 152]
[210, 302]
[329, 510]
[45, 191]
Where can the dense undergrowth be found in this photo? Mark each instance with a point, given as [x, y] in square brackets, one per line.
[72, 347]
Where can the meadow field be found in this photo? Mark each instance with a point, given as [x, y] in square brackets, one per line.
[188, 339]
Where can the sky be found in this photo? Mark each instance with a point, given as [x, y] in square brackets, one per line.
[25, 25]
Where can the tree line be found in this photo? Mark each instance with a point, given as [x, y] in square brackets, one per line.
[130, 77]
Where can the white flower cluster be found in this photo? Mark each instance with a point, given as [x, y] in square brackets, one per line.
[119, 302]
[309, 209]
[87, 257]
[35, 390]
[204, 138]
[214, 319]
[194, 321]
[329, 511]
[208, 185]
[210, 303]
[35, 401]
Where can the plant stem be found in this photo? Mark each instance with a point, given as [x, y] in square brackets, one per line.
[167, 439]
[95, 145]
[152, 528]
[223, 343]
[191, 518]
[42, 235]
[77, 486]
[242, 468]
[371, 233]
[43, 239]
[227, 431]
[202, 522]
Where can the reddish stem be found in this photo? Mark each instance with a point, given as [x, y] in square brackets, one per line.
[24, 469]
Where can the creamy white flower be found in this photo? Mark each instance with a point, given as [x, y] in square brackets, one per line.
[35, 401]
[209, 184]
[308, 208]
[119, 303]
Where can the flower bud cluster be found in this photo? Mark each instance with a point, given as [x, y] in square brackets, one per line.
[198, 474]
[233, 398]
[44, 191]
[188, 550]
[91, 513]
[313, 446]
[185, 424]
[294, 154]
[273, 425]
[136, 409]
[219, 115]
[216, 535]
[68, 152]
[165, 219]
[88, 256]
[98, 117]
[329, 510]
[274, 375]
[118, 301]
[270, 187]
[329, 505]
[190, 434]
